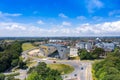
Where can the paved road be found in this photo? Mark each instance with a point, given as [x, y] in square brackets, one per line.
[82, 69]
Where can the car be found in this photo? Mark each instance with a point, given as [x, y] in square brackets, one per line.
[75, 74]
[66, 76]
[54, 61]
[81, 68]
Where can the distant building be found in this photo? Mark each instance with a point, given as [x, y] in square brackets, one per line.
[55, 50]
[106, 46]
[88, 46]
[47, 49]
[117, 44]
[54, 40]
[99, 45]
[81, 45]
[97, 40]
[73, 52]
[84, 45]
[63, 52]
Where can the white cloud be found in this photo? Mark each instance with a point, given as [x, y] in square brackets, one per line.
[15, 26]
[97, 18]
[92, 5]
[40, 22]
[81, 17]
[62, 15]
[8, 14]
[114, 12]
[66, 23]
[12, 26]
[101, 29]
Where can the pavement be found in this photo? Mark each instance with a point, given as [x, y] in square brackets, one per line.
[23, 74]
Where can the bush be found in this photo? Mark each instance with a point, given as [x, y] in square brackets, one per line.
[2, 76]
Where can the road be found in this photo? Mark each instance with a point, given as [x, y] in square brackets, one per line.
[82, 69]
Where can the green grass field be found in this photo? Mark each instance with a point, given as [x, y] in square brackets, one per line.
[31, 64]
[27, 46]
[75, 58]
[62, 68]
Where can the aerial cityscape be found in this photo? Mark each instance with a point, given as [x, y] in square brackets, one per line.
[60, 40]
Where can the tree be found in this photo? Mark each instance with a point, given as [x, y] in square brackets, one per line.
[1, 49]
[14, 62]
[41, 68]
[22, 64]
[97, 52]
[84, 54]
[2, 76]
[34, 76]
[10, 56]
[109, 68]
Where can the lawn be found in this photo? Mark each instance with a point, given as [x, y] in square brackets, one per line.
[75, 58]
[27, 46]
[31, 64]
[62, 68]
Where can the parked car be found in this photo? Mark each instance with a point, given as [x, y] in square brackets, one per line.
[54, 61]
[75, 74]
[81, 68]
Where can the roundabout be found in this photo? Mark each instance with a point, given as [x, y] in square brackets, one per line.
[74, 72]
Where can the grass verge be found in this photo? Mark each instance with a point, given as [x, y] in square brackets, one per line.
[75, 58]
[31, 64]
[27, 46]
[13, 74]
[62, 68]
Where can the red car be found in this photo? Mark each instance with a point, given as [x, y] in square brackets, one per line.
[54, 61]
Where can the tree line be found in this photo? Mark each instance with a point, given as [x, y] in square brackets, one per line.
[109, 68]
[9, 55]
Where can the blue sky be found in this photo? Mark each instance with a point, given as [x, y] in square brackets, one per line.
[20, 18]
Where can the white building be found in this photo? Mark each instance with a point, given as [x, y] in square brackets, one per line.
[88, 46]
[55, 40]
[98, 40]
[81, 45]
[73, 52]
[99, 45]
[84, 45]
[106, 46]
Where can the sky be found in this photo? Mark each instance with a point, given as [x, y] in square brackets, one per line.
[56, 18]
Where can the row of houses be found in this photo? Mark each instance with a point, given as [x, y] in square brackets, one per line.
[88, 46]
[107, 46]
[55, 40]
